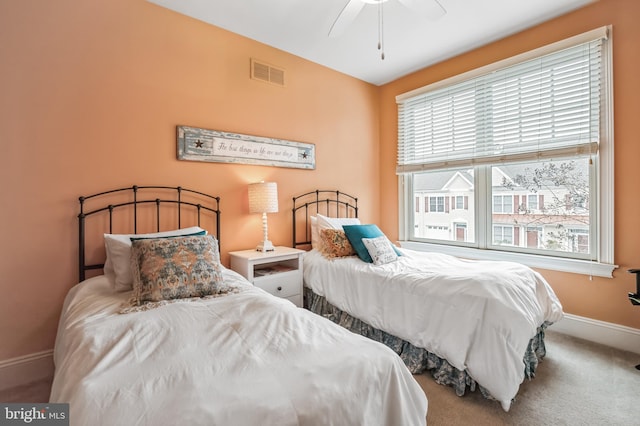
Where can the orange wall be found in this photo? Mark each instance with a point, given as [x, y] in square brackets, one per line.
[90, 96]
[601, 298]
[91, 92]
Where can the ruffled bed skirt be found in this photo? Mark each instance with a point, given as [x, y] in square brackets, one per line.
[417, 359]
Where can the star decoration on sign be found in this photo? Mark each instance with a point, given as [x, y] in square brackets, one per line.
[199, 143]
[304, 155]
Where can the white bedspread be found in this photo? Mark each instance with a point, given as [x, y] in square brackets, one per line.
[478, 315]
[242, 359]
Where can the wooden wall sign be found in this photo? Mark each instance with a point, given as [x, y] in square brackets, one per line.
[223, 147]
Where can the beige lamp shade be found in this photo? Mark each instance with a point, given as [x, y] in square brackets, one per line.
[263, 197]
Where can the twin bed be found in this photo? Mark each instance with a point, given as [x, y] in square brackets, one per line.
[470, 323]
[173, 337]
[168, 335]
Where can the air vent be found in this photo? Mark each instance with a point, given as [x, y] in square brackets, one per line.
[267, 73]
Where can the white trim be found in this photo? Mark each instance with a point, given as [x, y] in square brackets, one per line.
[26, 369]
[605, 333]
[606, 161]
[575, 266]
[403, 193]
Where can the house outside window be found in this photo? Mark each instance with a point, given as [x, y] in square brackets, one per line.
[516, 156]
[460, 231]
[502, 235]
[503, 203]
[579, 239]
[533, 236]
[436, 204]
[461, 202]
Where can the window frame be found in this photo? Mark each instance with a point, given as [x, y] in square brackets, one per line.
[602, 218]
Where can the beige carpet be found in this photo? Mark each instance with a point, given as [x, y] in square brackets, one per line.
[578, 383]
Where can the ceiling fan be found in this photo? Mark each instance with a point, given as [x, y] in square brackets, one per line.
[431, 9]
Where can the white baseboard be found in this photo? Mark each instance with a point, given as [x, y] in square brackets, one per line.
[605, 333]
[29, 368]
[26, 369]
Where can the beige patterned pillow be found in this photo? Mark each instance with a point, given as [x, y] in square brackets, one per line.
[335, 244]
[320, 222]
[176, 268]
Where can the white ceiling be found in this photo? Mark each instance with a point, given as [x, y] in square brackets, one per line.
[411, 41]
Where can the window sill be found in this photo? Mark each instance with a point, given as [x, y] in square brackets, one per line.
[574, 266]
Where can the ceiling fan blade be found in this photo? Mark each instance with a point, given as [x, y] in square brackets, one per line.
[346, 17]
[431, 9]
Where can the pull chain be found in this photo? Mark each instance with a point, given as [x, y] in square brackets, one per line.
[381, 28]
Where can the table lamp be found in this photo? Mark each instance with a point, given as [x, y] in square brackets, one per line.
[263, 198]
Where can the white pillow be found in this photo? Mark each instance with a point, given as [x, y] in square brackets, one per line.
[117, 266]
[325, 222]
[315, 234]
[380, 249]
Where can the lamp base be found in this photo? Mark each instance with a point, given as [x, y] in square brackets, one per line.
[266, 245]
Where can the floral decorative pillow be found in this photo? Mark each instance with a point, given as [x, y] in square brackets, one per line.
[380, 249]
[320, 222]
[118, 250]
[335, 244]
[175, 268]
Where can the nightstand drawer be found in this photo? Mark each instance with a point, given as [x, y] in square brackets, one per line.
[282, 285]
[278, 272]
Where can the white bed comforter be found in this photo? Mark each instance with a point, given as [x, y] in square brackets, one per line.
[478, 315]
[242, 359]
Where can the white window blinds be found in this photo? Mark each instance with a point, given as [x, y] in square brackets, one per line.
[538, 108]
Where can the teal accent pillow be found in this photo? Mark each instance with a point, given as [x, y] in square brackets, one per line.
[355, 234]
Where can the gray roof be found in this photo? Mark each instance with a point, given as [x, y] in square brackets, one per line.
[437, 179]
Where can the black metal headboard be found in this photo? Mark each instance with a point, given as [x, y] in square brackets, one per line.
[176, 202]
[327, 202]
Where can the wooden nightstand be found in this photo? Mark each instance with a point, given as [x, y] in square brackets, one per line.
[278, 272]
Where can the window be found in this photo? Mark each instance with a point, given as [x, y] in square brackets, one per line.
[462, 202]
[515, 153]
[436, 204]
[503, 203]
[502, 235]
[579, 240]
